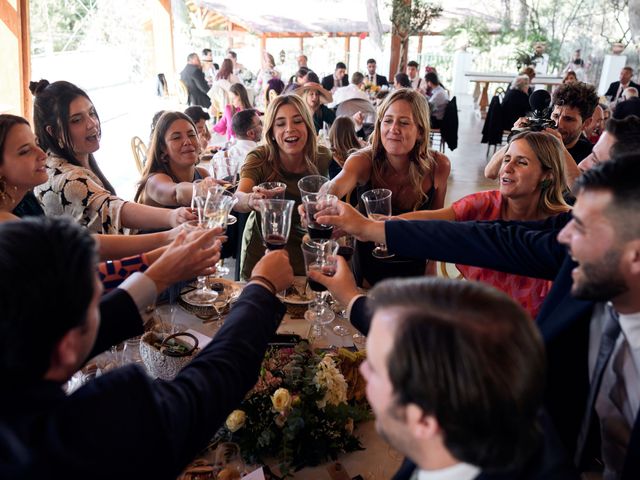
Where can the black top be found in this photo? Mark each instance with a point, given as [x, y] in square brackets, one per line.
[323, 114]
[514, 106]
[28, 207]
[197, 86]
[581, 149]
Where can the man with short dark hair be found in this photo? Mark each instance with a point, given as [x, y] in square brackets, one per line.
[590, 320]
[207, 65]
[441, 387]
[122, 424]
[615, 90]
[438, 100]
[351, 91]
[417, 83]
[620, 137]
[337, 80]
[193, 78]
[247, 125]
[372, 77]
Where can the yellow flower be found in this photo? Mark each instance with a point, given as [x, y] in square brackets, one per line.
[281, 400]
[235, 420]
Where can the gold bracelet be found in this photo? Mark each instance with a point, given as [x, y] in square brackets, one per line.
[268, 283]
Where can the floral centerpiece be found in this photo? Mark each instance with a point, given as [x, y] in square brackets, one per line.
[302, 410]
[371, 88]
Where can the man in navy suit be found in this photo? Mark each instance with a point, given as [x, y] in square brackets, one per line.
[122, 424]
[337, 80]
[591, 317]
[455, 378]
[616, 88]
[372, 77]
[194, 79]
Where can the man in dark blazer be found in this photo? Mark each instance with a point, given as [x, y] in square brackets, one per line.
[337, 80]
[122, 424]
[372, 77]
[442, 390]
[580, 333]
[197, 86]
[616, 88]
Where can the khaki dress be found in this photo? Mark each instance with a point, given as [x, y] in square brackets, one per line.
[257, 169]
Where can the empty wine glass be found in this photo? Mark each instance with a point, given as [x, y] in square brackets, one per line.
[273, 190]
[319, 256]
[313, 184]
[275, 220]
[377, 202]
[313, 203]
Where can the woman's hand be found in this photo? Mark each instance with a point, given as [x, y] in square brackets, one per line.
[181, 215]
[254, 197]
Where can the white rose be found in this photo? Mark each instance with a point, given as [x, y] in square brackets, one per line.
[281, 400]
[236, 420]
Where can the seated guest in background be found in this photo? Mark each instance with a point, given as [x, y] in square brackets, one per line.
[417, 82]
[238, 100]
[532, 183]
[594, 129]
[266, 73]
[372, 77]
[316, 98]
[275, 87]
[400, 160]
[630, 106]
[194, 79]
[569, 77]
[170, 170]
[401, 80]
[199, 117]
[68, 129]
[516, 102]
[438, 100]
[123, 421]
[355, 89]
[619, 137]
[289, 152]
[573, 107]
[154, 121]
[248, 127]
[299, 79]
[589, 319]
[442, 394]
[337, 79]
[225, 77]
[207, 65]
[344, 142]
[237, 68]
[302, 61]
[615, 90]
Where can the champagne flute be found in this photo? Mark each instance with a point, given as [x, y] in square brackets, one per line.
[377, 202]
[313, 203]
[319, 256]
[221, 270]
[275, 219]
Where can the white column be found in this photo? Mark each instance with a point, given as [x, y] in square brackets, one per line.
[610, 71]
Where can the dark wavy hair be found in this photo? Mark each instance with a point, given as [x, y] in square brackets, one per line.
[471, 357]
[51, 122]
[63, 256]
[577, 95]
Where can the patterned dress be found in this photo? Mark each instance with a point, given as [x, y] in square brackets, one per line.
[78, 192]
[528, 292]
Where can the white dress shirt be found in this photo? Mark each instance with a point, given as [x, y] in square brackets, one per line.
[419, 84]
[141, 289]
[438, 102]
[241, 148]
[349, 92]
[459, 471]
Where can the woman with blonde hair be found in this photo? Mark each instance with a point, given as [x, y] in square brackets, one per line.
[288, 153]
[400, 160]
[532, 184]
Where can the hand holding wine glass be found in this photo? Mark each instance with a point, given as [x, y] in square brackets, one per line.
[275, 220]
[314, 203]
[377, 202]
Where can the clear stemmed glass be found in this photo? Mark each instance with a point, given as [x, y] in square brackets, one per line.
[320, 256]
[215, 214]
[313, 184]
[313, 203]
[377, 202]
[221, 270]
[346, 248]
[275, 219]
[225, 168]
[273, 190]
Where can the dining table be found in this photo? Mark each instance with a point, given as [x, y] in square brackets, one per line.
[376, 461]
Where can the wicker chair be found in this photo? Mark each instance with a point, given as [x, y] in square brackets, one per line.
[139, 150]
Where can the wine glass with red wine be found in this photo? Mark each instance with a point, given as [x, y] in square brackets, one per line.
[319, 256]
[275, 220]
[313, 203]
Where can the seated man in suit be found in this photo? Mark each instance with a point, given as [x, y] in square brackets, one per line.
[337, 80]
[122, 424]
[193, 78]
[616, 89]
[372, 77]
[455, 376]
[589, 321]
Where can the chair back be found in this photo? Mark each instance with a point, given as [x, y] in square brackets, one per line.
[219, 100]
[139, 150]
[450, 124]
[183, 92]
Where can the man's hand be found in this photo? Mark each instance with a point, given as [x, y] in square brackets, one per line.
[188, 256]
[347, 219]
[342, 285]
[275, 267]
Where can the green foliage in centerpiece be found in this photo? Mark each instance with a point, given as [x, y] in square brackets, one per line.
[303, 409]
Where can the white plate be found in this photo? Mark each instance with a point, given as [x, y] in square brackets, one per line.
[295, 299]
